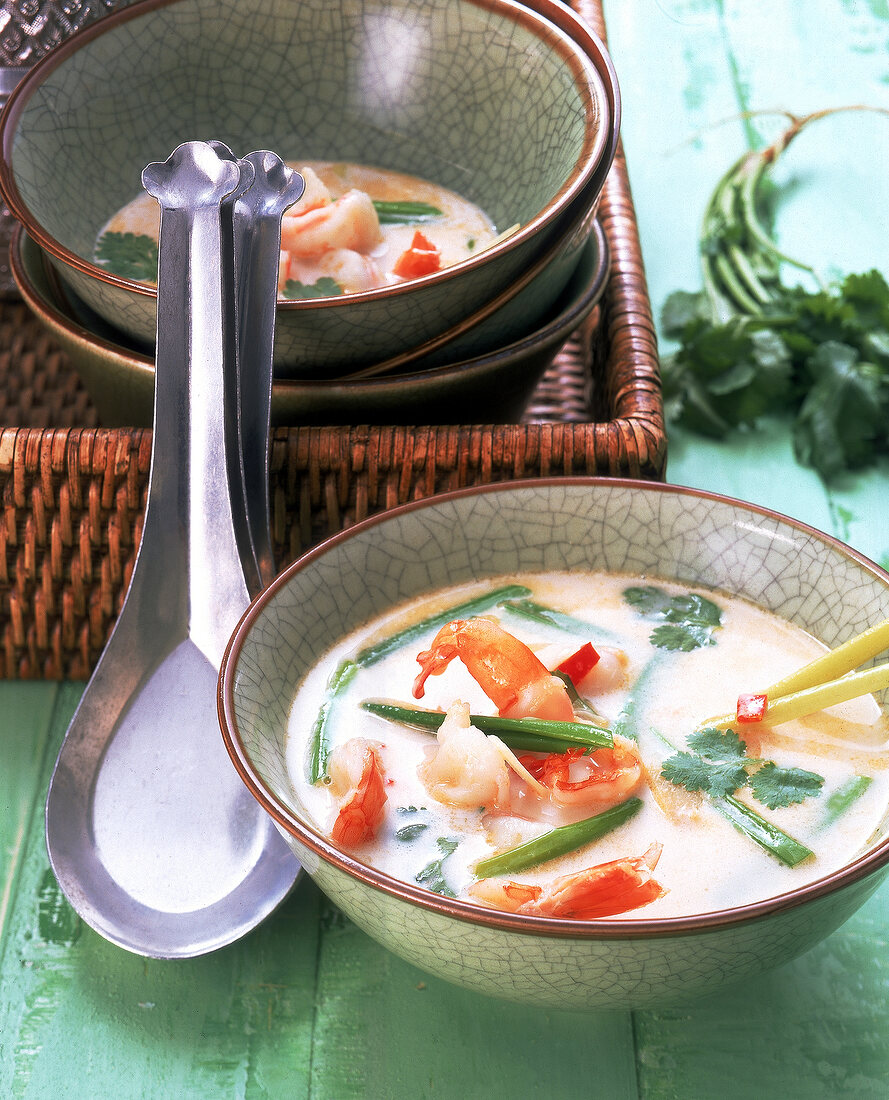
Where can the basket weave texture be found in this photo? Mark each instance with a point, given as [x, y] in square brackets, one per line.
[73, 493]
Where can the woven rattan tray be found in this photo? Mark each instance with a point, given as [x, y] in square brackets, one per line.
[73, 493]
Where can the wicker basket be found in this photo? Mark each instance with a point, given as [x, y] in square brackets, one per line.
[73, 493]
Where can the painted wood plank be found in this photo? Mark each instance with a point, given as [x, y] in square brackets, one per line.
[386, 1029]
[25, 723]
[75, 1009]
[817, 1027]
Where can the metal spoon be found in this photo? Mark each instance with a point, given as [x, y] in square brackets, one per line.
[149, 830]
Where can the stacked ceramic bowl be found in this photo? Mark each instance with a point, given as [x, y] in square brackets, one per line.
[514, 109]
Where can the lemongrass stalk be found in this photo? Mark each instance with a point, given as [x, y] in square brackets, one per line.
[837, 662]
[801, 703]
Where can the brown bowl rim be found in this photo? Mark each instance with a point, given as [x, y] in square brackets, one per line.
[858, 869]
[558, 326]
[583, 51]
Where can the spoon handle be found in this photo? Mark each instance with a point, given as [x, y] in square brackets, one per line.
[195, 527]
[257, 248]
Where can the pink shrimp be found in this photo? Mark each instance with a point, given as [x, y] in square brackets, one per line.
[356, 779]
[513, 678]
[578, 777]
[601, 891]
[349, 222]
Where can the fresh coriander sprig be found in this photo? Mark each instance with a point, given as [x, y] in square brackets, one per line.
[745, 818]
[750, 346]
[687, 621]
[718, 766]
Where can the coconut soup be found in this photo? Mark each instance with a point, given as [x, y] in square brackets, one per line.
[681, 807]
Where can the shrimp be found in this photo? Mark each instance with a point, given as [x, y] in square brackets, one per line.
[468, 768]
[601, 891]
[356, 780]
[351, 271]
[610, 673]
[578, 777]
[514, 679]
[349, 222]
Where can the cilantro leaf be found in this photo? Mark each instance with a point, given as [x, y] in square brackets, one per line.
[775, 786]
[432, 875]
[821, 357]
[130, 255]
[715, 778]
[843, 416]
[717, 744]
[647, 599]
[718, 766]
[325, 287]
[411, 832]
[689, 620]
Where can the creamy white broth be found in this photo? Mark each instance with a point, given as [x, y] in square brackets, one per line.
[363, 260]
[705, 863]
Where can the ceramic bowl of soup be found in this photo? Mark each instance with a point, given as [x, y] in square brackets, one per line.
[384, 698]
[497, 386]
[453, 152]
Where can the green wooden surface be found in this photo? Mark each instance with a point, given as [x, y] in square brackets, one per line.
[308, 1006]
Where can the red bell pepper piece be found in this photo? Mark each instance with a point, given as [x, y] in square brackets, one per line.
[579, 664]
[422, 258]
[752, 707]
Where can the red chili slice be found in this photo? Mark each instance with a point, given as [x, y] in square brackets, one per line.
[422, 258]
[579, 664]
[752, 708]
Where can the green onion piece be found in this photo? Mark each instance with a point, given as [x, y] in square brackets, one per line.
[768, 836]
[558, 842]
[843, 797]
[527, 734]
[405, 212]
[373, 653]
[320, 743]
[548, 616]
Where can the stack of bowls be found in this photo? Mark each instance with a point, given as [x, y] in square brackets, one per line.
[515, 108]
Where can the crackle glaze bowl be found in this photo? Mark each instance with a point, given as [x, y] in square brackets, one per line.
[514, 107]
[566, 524]
[492, 388]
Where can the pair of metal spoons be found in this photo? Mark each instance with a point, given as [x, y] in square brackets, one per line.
[151, 834]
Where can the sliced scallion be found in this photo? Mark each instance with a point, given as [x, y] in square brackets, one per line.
[558, 842]
[525, 734]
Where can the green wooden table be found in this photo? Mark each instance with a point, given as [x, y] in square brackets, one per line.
[308, 1005]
